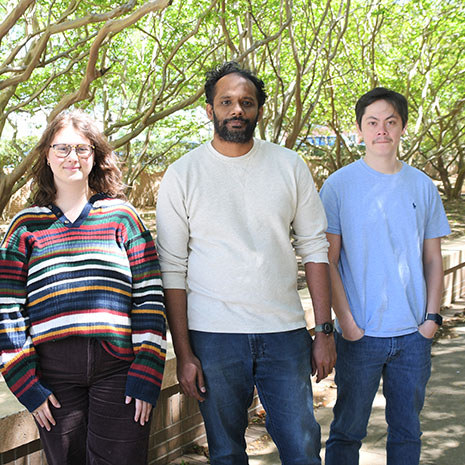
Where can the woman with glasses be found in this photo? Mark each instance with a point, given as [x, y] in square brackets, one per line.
[82, 327]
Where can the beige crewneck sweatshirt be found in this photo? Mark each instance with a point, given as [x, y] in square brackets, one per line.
[225, 227]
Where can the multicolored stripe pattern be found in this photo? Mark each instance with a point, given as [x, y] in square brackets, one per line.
[97, 277]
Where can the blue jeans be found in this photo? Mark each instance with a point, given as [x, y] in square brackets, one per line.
[279, 365]
[404, 363]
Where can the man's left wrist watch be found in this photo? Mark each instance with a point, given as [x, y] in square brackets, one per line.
[434, 317]
[325, 328]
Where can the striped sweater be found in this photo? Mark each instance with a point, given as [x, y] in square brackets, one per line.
[97, 277]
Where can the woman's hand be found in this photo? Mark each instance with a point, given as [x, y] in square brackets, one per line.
[43, 415]
[143, 410]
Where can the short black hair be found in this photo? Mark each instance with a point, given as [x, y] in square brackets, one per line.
[398, 101]
[230, 67]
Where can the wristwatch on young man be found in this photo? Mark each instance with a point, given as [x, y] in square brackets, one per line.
[325, 328]
[434, 317]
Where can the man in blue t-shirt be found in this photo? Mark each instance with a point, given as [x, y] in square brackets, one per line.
[385, 223]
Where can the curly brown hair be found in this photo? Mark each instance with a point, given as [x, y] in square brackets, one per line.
[105, 175]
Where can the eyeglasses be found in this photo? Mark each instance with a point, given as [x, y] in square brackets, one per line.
[82, 150]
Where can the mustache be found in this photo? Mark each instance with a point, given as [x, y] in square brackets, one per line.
[237, 118]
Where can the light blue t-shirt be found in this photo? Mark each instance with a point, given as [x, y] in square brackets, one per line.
[383, 220]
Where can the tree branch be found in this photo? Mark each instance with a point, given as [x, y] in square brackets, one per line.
[11, 19]
[111, 26]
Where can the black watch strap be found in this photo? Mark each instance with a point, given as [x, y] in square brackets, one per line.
[434, 317]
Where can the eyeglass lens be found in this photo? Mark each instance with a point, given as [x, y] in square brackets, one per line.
[82, 150]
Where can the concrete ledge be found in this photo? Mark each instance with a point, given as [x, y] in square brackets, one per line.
[17, 429]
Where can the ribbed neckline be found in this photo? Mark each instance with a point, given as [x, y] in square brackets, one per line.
[83, 215]
[241, 159]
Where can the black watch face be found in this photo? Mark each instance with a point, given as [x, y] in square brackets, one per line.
[327, 328]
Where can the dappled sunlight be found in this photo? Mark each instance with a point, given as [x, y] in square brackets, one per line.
[443, 418]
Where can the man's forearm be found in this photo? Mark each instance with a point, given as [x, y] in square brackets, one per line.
[189, 368]
[317, 275]
[339, 299]
[434, 286]
[338, 296]
[176, 312]
[323, 349]
[434, 277]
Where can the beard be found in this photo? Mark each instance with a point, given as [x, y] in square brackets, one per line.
[239, 136]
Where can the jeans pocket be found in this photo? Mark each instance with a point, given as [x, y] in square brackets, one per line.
[427, 339]
[351, 341]
[346, 344]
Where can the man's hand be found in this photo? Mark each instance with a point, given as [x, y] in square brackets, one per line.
[190, 377]
[43, 414]
[353, 333]
[190, 374]
[323, 355]
[428, 329]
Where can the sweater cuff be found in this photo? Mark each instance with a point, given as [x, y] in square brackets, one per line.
[142, 390]
[35, 396]
[173, 280]
[315, 258]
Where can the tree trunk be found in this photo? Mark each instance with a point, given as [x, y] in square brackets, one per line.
[8, 181]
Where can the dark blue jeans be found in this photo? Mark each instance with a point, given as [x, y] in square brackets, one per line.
[279, 365]
[404, 363]
[93, 426]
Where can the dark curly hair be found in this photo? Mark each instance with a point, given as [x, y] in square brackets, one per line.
[105, 176]
[229, 67]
